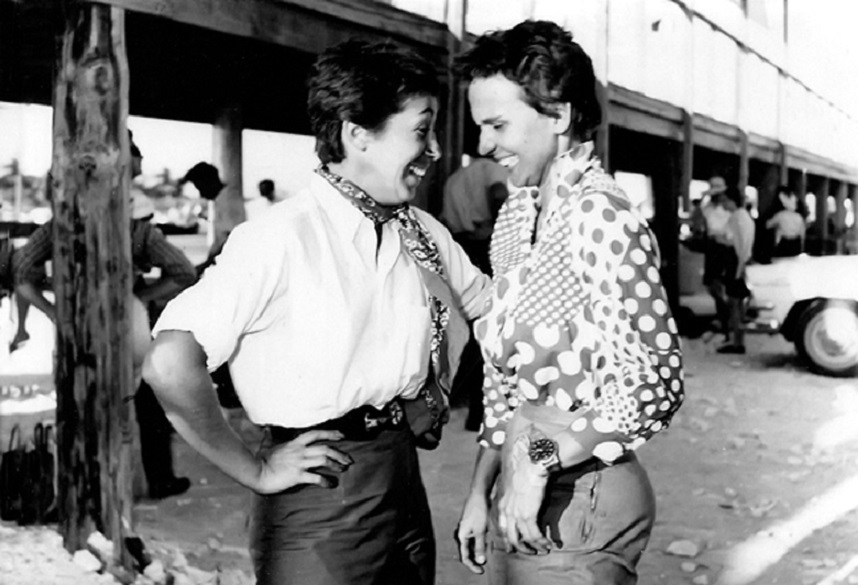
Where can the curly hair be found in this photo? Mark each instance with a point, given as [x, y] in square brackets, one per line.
[363, 83]
[546, 63]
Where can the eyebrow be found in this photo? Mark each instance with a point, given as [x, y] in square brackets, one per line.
[492, 120]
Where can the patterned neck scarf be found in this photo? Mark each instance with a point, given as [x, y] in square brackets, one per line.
[447, 321]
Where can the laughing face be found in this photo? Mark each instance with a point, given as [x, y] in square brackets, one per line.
[397, 157]
[512, 131]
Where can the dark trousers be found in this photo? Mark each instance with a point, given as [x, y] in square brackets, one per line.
[373, 528]
[156, 436]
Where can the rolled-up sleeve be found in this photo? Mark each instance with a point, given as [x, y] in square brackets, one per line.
[170, 259]
[228, 300]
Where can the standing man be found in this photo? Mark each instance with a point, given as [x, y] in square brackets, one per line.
[149, 249]
[472, 197]
[741, 231]
[717, 247]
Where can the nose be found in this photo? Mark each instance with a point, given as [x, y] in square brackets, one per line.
[433, 150]
[486, 146]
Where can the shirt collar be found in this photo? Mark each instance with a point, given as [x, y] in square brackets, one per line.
[345, 217]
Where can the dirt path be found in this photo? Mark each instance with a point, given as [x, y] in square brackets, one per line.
[753, 485]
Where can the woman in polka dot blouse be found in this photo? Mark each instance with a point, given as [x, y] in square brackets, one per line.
[583, 361]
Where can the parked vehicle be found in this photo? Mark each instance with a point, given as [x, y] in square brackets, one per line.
[812, 302]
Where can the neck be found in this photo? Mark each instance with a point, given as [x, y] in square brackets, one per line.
[565, 143]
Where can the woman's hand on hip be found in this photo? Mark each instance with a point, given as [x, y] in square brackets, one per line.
[298, 462]
[471, 532]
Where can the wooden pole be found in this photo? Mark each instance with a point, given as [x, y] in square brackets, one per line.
[840, 217]
[92, 277]
[227, 155]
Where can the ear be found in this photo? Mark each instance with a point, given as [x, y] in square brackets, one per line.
[354, 137]
[563, 121]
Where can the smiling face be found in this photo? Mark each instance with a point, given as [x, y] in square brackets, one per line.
[395, 158]
[512, 131]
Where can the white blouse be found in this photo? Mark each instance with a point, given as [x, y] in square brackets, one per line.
[313, 320]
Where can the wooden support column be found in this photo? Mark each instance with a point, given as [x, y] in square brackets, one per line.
[819, 187]
[783, 168]
[92, 277]
[744, 161]
[227, 156]
[852, 242]
[687, 160]
[839, 234]
[667, 185]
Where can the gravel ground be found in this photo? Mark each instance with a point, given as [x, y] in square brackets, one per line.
[756, 480]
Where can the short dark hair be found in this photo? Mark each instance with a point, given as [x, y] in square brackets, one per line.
[205, 178]
[546, 63]
[266, 188]
[363, 83]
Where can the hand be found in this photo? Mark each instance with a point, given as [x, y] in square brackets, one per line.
[291, 463]
[523, 491]
[471, 533]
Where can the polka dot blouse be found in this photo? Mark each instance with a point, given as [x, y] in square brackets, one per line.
[578, 318]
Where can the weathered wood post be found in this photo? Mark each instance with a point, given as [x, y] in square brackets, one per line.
[92, 277]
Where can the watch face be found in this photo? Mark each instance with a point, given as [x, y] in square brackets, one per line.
[542, 450]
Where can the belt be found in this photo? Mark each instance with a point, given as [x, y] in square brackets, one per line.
[361, 424]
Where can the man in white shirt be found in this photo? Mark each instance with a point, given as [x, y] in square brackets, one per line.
[332, 312]
[740, 233]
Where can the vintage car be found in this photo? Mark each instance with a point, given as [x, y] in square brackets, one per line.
[812, 302]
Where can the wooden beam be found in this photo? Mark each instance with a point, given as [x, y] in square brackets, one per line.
[852, 242]
[687, 169]
[92, 277]
[227, 156]
[309, 25]
[839, 234]
[744, 165]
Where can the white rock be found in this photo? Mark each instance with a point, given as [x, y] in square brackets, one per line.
[181, 579]
[86, 561]
[155, 572]
[233, 577]
[179, 561]
[200, 577]
[683, 548]
[100, 546]
[688, 567]
[700, 580]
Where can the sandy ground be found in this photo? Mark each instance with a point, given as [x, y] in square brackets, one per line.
[757, 482]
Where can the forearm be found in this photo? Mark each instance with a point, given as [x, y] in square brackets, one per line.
[162, 289]
[486, 471]
[175, 369]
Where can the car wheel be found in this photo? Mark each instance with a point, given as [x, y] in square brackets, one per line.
[828, 338]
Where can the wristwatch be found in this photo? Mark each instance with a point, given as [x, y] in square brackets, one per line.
[543, 452]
